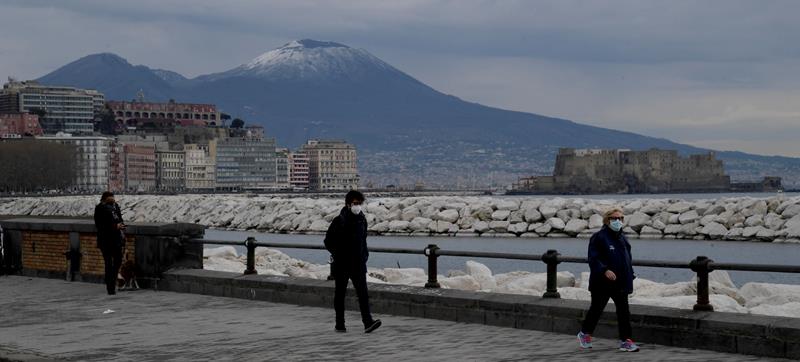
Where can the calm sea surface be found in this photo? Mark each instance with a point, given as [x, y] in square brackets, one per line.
[672, 250]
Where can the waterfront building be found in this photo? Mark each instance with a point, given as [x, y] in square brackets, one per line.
[282, 169]
[18, 125]
[298, 170]
[92, 159]
[331, 165]
[133, 114]
[65, 109]
[140, 167]
[170, 170]
[116, 167]
[247, 162]
[200, 167]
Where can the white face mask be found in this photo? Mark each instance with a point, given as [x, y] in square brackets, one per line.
[356, 209]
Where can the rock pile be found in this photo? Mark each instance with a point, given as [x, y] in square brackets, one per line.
[774, 219]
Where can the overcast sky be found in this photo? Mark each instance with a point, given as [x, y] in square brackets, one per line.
[717, 74]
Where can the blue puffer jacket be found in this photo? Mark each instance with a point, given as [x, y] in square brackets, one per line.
[610, 250]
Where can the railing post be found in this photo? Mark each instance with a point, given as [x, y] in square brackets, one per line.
[430, 252]
[702, 266]
[331, 276]
[551, 259]
[250, 243]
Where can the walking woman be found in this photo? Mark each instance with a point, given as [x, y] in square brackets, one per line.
[611, 277]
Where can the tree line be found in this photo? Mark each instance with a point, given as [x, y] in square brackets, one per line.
[36, 165]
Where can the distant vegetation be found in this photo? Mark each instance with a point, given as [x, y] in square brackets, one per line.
[36, 166]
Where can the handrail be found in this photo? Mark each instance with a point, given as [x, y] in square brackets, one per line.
[700, 265]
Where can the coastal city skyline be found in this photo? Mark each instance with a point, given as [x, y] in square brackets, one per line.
[693, 73]
[474, 179]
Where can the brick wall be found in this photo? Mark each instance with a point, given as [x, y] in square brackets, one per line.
[92, 259]
[44, 250]
[36, 247]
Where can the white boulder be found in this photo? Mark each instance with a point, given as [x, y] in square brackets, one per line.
[482, 274]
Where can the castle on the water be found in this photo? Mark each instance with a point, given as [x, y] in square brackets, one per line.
[600, 171]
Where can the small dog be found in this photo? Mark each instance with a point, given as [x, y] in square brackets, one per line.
[126, 279]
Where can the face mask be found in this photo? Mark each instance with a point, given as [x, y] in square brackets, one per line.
[356, 209]
[616, 225]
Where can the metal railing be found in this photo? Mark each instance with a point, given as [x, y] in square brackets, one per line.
[701, 265]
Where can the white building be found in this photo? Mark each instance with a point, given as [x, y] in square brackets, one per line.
[170, 170]
[331, 165]
[92, 160]
[282, 169]
[66, 109]
[200, 168]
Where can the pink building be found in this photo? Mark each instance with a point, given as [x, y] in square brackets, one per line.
[15, 125]
[298, 170]
[184, 114]
[116, 167]
[139, 167]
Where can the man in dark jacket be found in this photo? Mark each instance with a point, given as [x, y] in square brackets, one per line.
[110, 237]
[611, 277]
[346, 240]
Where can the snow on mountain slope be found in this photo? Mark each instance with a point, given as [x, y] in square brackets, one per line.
[308, 59]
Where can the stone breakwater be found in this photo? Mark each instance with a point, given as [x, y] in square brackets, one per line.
[775, 219]
[753, 298]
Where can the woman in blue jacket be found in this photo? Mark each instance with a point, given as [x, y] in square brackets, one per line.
[611, 277]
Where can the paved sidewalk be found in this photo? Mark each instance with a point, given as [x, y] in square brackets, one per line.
[59, 320]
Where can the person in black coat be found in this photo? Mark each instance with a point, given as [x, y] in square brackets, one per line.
[611, 277]
[346, 240]
[110, 237]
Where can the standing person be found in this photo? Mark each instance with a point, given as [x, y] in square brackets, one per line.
[611, 277]
[110, 237]
[346, 240]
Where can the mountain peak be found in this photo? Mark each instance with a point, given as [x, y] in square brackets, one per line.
[311, 44]
[311, 60]
[103, 58]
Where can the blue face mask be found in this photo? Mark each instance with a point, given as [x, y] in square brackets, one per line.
[616, 225]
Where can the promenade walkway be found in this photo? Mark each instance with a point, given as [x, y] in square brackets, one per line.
[45, 319]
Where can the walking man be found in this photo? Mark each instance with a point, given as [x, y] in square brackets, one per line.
[110, 237]
[346, 240]
[611, 277]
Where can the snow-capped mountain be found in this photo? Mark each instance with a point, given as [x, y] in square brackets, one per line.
[308, 59]
[405, 130]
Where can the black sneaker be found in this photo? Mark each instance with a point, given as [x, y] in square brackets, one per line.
[341, 329]
[372, 326]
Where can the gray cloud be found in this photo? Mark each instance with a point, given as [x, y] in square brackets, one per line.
[664, 68]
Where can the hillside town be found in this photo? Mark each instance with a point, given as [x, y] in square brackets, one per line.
[140, 146]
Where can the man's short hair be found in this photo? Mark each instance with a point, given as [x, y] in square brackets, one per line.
[106, 195]
[353, 195]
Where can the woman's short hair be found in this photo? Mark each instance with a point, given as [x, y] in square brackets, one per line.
[609, 212]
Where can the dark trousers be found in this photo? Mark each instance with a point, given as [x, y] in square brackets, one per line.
[359, 279]
[599, 301]
[112, 256]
